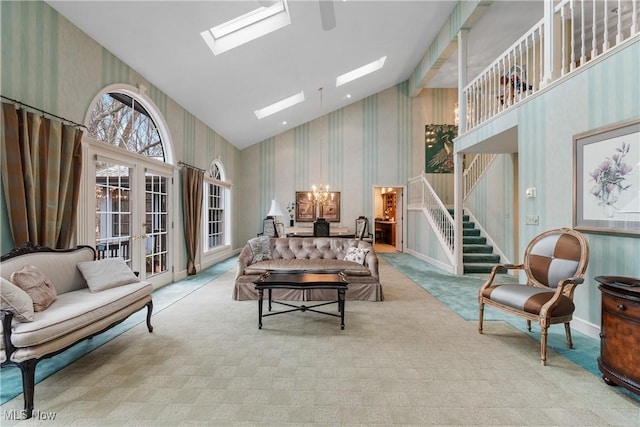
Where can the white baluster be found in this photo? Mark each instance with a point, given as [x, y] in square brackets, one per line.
[594, 32]
[583, 55]
[634, 20]
[619, 33]
[605, 43]
[572, 66]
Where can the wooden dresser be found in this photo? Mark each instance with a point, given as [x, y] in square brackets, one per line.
[619, 359]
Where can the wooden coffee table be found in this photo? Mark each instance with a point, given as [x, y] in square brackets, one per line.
[302, 280]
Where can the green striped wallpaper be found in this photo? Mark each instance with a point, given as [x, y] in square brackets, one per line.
[49, 63]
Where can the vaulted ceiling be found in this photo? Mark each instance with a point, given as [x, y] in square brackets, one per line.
[161, 40]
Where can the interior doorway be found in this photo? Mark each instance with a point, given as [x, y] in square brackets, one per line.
[388, 219]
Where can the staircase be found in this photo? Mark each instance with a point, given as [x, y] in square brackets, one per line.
[477, 256]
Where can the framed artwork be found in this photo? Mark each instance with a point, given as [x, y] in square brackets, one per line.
[331, 210]
[269, 227]
[606, 181]
[305, 209]
[438, 140]
[279, 229]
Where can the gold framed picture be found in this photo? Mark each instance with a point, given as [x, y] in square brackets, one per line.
[305, 208]
[331, 209]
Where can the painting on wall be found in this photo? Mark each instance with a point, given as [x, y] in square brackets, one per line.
[607, 179]
[305, 209]
[438, 141]
[330, 211]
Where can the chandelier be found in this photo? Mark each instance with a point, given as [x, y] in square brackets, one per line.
[320, 195]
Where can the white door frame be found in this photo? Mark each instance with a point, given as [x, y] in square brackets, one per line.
[401, 190]
[86, 213]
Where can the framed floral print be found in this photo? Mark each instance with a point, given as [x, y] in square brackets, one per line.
[606, 180]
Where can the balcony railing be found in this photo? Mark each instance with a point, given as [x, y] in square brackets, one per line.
[579, 31]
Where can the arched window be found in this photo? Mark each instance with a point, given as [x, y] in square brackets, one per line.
[130, 156]
[119, 120]
[216, 207]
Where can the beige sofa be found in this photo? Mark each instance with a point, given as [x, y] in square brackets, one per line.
[75, 315]
[312, 254]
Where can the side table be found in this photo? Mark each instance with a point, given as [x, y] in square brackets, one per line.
[619, 359]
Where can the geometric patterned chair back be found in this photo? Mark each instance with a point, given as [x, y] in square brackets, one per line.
[556, 255]
[361, 227]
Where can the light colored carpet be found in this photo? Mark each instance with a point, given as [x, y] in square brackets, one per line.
[406, 361]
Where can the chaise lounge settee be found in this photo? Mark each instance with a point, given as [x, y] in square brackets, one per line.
[88, 302]
[309, 254]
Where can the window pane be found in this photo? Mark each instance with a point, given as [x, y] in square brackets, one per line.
[119, 120]
[215, 215]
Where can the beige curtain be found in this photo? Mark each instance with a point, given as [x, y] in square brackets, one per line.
[192, 187]
[41, 167]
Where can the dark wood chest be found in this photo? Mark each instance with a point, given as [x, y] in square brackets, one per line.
[619, 359]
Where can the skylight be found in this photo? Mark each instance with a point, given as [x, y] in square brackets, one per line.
[280, 105]
[360, 72]
[247, 27]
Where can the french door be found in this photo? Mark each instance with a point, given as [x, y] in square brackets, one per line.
[132, 213]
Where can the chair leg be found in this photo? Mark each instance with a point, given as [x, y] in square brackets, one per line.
[28, 369]
[543, 345]
[529, 325]
[480, 316]
[567, 331]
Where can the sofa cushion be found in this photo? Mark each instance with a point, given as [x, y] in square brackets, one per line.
[350, 268]
[261, 248]
[36, 284]
[106, 273]
[75, 310]
[358, 255]
[14, 299]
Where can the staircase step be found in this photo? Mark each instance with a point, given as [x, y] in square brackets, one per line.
[478, 268]
[464, 217]
[468, 224]
[477, 249]
[474, 240]
[480, 258]
[468, 232]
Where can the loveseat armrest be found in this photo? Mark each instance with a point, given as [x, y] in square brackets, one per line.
[372, 264]
[244, 260]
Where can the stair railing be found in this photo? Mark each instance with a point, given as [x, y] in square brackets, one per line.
[423, 197]
[472, 174]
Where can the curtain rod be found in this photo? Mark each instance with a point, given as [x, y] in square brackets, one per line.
[186, 165]
[62, 119]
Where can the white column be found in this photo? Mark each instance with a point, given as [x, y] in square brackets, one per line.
[549, 43]
[458, 159]
[462, 81]
[458, 166]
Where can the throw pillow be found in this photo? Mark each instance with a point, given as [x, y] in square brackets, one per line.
[106, 273]
[261, 248]
[358, 255]
[16, 300]
[35, 283]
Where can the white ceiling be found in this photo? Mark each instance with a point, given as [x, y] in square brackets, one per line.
[161, 40]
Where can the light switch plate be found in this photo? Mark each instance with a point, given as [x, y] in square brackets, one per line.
[532, 220]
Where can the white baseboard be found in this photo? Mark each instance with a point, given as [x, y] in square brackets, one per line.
[211, 260]
[587, 328]
[446, 267]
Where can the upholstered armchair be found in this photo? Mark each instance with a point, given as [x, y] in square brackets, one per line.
[554, 264]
